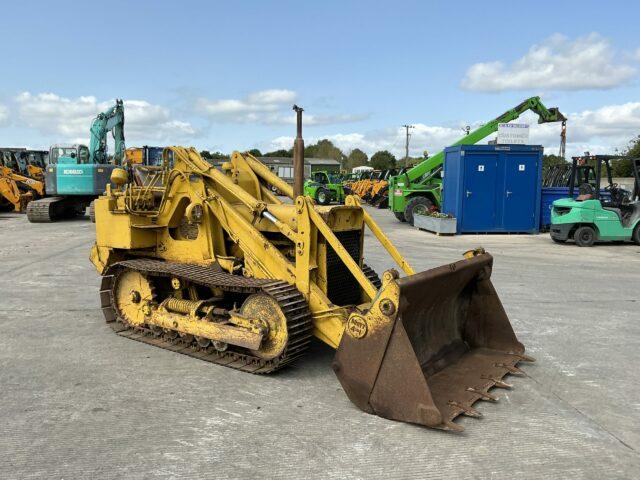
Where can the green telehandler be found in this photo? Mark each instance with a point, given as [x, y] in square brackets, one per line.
[419, 188]
[590, 217]
[324, 188]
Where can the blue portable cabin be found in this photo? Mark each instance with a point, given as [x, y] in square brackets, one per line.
[493, 188]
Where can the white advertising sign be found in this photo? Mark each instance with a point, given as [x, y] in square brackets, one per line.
[513, 133]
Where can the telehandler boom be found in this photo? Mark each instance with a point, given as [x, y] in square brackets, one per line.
[211, 264]
[419, 187]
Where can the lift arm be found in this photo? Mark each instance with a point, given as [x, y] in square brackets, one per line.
[110, 121]
[545, 115]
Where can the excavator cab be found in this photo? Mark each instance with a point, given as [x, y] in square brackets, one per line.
[69, 154]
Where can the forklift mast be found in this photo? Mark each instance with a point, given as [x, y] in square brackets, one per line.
[581, 163]
[635, 162]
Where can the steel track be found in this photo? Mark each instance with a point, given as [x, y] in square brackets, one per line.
[290, 300]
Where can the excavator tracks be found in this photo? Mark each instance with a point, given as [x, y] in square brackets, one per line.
[45, 210]
[52, 209]
[290, 300]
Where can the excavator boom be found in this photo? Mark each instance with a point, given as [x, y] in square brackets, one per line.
[112, 121]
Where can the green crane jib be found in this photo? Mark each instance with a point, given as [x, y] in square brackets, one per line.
[419, 188]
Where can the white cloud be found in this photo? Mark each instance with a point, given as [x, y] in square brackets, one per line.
[272, 97]
[315, 120]
[557, 63]
[257, 107]
[69, 119]
[266, 107]
[423, 137]
[599, 131]
[145, 120]
[4, 115]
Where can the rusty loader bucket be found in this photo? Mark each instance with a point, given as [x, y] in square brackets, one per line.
[430, 346]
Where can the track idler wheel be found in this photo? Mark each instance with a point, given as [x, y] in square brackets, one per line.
[132, 293]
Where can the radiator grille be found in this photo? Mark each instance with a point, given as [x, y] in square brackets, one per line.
[342, 287]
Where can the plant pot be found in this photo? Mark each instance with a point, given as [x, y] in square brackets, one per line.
[437, 225]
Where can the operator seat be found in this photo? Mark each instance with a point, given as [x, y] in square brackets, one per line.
[585, 192]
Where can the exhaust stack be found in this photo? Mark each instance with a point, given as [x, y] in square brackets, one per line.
[298, 155]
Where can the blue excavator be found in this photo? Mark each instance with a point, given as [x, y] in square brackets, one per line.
[76, 174]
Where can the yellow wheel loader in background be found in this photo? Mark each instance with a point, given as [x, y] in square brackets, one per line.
[211, 264]
[21, 178]
[16, 190]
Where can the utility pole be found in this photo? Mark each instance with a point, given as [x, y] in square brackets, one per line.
[406, 143]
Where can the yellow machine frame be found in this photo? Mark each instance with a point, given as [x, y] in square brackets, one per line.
[239, 214]
[422, 348]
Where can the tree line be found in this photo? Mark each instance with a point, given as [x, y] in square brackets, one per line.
[619, 168]
[383, 159]
[380, 160]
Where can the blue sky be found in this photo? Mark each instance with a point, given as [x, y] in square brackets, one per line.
[223, 75]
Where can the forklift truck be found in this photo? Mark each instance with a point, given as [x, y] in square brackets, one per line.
[591, 218]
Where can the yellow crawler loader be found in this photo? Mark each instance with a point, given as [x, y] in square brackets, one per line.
[211, 264]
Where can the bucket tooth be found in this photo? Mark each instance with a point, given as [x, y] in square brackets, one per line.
[466, 410]
[451, 426]
[523, 357]
[497, 382]
[485, 395]
[501, 384]
[512, 369]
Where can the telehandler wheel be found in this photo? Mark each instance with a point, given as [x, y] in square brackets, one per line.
[584, 236]
[420, 205]
[400, 216]
[323, 197]
[635, 236]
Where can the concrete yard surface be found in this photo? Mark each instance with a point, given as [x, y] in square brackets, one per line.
[78, 401]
